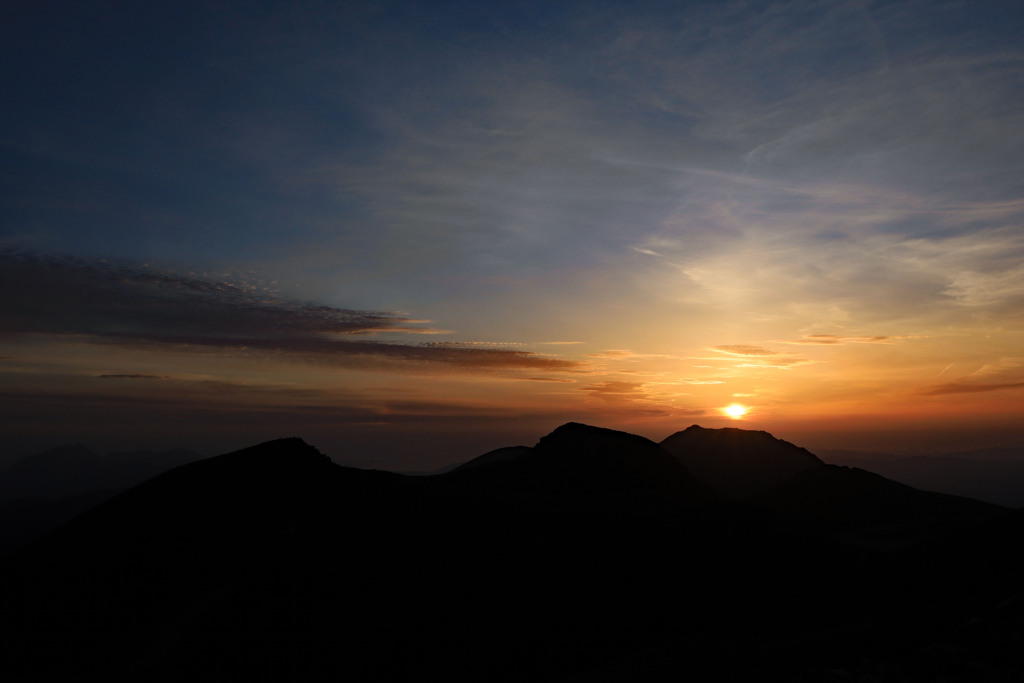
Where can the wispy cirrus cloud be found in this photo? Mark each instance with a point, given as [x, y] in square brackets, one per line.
[743, 350]
[690, 380]
[836, 339]
[750, 356]
[966, 388]
[1003, 374]
[615, 389]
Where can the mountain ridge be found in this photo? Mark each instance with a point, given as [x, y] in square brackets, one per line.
[736, 462]
[591, 551]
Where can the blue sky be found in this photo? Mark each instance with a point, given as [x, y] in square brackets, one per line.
[833, 189]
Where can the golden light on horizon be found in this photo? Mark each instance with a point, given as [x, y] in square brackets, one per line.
[735, 410]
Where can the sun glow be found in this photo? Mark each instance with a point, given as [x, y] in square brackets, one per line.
[735, 411]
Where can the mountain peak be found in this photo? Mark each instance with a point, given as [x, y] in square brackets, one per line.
[286, 447]
[580, 461]
[738, 431]
[738, 462]
[280, 457]
[578, 430]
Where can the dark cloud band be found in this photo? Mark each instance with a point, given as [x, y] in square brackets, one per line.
[137, 306]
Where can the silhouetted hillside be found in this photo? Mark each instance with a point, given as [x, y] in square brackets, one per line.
[867, 507]
[594, 555]
[738, 462]
[994, 475]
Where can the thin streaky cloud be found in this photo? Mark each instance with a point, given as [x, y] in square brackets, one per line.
[743, 350]
[133, 376]
[616, 388]
[835, 339]
[142, 307]
[961, 388]
[697, 381]
[553, 380]
[778, 363]
[470, 344]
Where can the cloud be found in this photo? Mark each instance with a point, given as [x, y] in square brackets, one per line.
[617, 355]
[556, 380]
[204, 408]
[470, 344]
[614, 389]
[876, 185]
[1005, 373]
[689, 412]
[835, 339]
[743, 350]
[133, 376]
[776, 363]
[963, 388]
[145, 307]
[749, 356]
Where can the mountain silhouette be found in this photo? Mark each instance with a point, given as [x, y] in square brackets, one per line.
[578, 461]
[994, 475]
[866, 506]
[593, 555]
[737, 462]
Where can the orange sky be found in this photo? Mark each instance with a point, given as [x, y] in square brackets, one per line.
[410, 235]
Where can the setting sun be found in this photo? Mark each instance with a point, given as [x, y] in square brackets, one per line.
[735, 411]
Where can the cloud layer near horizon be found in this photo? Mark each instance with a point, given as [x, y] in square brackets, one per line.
[139, 306]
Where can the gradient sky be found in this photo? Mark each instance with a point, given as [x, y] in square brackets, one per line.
[410, 232]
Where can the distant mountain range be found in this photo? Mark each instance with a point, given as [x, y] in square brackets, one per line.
[74, 469]
[42, 491]
[593, 555]
[995, 475]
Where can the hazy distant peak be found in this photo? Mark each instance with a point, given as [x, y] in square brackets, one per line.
[74, 469]
[64, 470]
[65, 451]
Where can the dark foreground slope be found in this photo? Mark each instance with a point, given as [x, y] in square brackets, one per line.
[593, 556]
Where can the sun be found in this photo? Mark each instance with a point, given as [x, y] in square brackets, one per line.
[735, 411]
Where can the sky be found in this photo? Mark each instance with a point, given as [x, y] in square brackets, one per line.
[410, 232]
